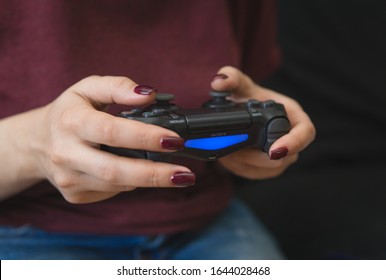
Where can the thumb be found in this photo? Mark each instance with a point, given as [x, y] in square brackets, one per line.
[103, 90]
[229, 78]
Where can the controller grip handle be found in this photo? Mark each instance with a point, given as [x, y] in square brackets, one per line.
[275, 129]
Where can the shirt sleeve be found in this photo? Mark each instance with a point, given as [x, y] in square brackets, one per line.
[255, 23]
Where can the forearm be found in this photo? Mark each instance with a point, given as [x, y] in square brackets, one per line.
[19, 169]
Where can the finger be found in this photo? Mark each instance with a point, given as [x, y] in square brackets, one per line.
[116, 170]
[258, 159]
[103, 90]
[89, 183]
[302, 132]
[253, 157]
[258, 173]
[103, 128]
[87, 196]
[229, 78]
[78, 187]
[299, 137]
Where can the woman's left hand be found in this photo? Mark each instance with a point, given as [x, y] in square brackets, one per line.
[252, 163]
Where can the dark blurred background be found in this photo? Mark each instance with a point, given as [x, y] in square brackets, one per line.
[332, 203]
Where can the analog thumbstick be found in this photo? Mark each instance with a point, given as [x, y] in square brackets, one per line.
[219, 100]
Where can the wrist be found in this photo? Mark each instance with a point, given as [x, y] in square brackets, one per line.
[19, 136]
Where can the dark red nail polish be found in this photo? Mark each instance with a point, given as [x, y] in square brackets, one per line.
[144, 90]
[278, 153]
[172, 143]
[220, 76]
[183, 179]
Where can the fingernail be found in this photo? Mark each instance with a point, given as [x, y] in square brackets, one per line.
[144, 90]
[219, 76]
[278, 153]
[172, 143]
[183, 179]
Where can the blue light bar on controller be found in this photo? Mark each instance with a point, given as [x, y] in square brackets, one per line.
[216, 143]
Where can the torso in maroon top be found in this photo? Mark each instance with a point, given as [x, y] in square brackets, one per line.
[175, 46]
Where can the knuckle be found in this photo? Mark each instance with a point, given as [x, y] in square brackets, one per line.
[68, 121]
[108, 172]
[57, 154]
[71, 198]
[120, 82]
[63, 180]
[89, 79]
[75, 198]
[144, 137]
[154, 176]
[109, 131]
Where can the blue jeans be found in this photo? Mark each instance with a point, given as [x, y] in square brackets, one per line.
[236, 234]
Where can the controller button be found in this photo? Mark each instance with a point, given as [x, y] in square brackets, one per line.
[174, 116]
[149, 114]
[252, 103]
[253, 110]
[221, 121]
[267, 104]
[158, 111]
[131, 113]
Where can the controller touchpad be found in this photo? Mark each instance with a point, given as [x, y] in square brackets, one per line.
[218, 121]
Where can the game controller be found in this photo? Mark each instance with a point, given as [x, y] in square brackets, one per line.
[218, 128]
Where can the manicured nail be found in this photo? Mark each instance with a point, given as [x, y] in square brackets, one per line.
[219, 76]
[144, 90]
[278, 153]
[183, 179]
[172, 143]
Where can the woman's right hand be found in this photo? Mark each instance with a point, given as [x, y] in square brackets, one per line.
[67, 133]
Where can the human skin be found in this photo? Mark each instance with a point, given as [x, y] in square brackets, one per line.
[253, 163]
[35, 144]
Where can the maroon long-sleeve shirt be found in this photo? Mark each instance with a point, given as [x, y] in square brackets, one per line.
[176, 46]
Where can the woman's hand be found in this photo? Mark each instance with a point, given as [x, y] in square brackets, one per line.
[252, 163]
[64, 138]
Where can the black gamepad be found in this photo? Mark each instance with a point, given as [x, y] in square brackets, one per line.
[218, 128]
